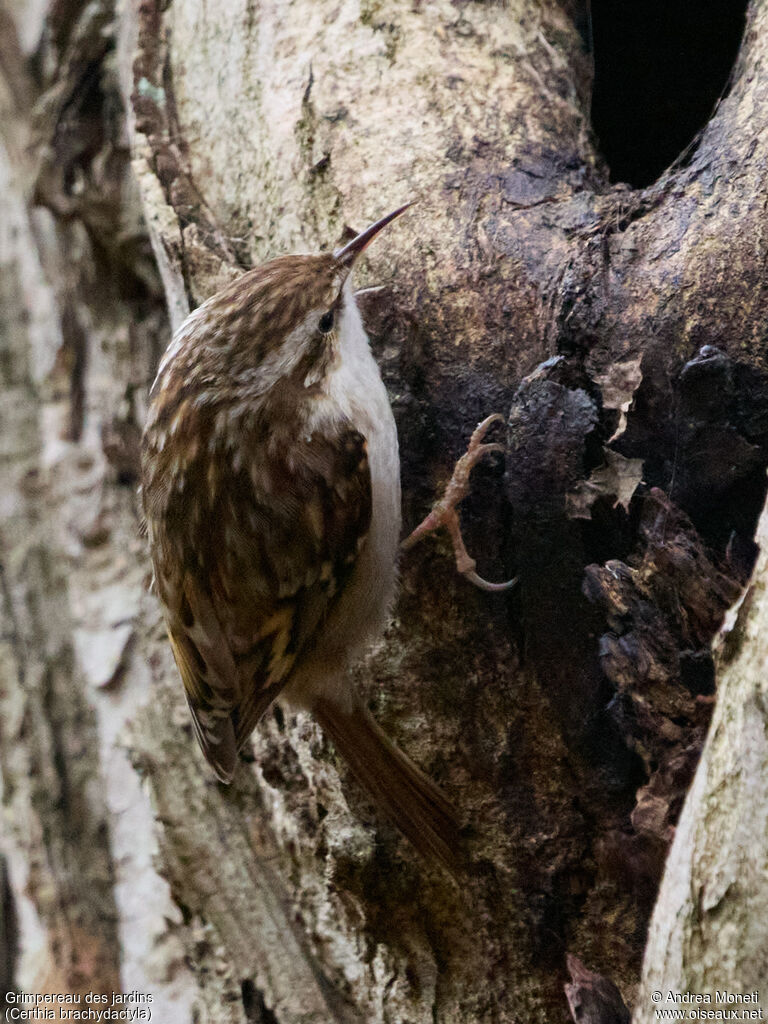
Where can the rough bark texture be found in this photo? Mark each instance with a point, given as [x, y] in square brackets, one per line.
[623, 335]
[81, 318]
[708, 933]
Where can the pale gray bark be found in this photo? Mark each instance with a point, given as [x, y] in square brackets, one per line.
[709, 931]
[149, 154]
[91, 912]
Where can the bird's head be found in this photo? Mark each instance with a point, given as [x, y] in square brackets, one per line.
[281, 317]
[284, 320]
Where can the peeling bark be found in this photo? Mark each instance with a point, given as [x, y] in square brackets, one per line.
[621, 334]
[708, 931]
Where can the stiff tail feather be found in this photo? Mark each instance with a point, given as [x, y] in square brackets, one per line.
[403, 792]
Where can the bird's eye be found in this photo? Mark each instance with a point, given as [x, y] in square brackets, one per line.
[326, 322]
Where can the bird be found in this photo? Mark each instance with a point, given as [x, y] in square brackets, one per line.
[270, 488]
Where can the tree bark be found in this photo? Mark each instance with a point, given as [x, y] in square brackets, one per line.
[150, 153]
[708, 933]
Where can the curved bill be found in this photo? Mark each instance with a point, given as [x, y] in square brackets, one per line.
[349, 253]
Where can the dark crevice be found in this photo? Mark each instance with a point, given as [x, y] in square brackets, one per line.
[704, 441]
[9, 935]
[660, 68]
[256, 1010]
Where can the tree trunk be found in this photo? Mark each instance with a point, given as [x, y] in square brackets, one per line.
[149, 153]
[709, 934]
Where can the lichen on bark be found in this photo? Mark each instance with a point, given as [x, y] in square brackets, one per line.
[620, 333]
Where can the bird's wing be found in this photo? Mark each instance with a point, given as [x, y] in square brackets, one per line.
[258, 571]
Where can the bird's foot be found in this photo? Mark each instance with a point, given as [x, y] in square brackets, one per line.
[444, 511]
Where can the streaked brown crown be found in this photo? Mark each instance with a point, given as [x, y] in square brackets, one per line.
[228, 337]
[266, 303]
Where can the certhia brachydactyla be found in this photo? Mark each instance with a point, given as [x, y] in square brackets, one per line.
[271, 491]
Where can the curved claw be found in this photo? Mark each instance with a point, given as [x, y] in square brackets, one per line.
[444, 511]
[493, 588]
[482, 428]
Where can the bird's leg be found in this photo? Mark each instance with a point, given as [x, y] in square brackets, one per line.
[444, 511]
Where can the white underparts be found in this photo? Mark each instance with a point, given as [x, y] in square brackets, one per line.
[355, 394]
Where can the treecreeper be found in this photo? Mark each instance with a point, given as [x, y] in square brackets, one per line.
[271, 493]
